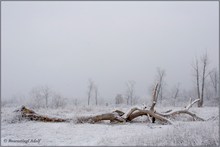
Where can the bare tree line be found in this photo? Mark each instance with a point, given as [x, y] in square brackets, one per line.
[206, 83]
[40, 98]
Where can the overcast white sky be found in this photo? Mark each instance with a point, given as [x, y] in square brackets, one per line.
[63, 44]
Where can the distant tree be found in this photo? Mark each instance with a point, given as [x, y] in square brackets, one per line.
[161, 84]
[196, 70]
[90, 89]
[46, 94]
[204, 60]
[75, 102]
[175, 93]
[211, 92]
[39, 94]
[58, 101]
[130, 92]
[119, 99]
[201, 77]
[214, 78]
[96, 94]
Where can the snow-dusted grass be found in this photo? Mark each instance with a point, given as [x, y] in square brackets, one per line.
[188, 133]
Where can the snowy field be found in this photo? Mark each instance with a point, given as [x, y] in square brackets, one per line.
[184, 131]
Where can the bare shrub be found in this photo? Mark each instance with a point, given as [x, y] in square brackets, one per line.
[58, 101]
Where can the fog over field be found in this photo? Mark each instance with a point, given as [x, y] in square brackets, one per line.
[62, 45]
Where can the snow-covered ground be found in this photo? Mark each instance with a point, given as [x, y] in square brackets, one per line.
[141, 133]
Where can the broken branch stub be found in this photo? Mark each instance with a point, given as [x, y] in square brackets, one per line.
[191, 103]
[154, 99]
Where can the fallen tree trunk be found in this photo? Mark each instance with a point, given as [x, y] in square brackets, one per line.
[114, 117]
[29, 114]
[117, 115]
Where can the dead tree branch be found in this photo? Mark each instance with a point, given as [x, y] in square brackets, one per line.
[132, 115]
[191, 103]
[184, 111]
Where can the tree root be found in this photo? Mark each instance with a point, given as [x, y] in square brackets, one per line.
[31, 115]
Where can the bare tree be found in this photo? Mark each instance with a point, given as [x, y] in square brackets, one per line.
[90, 89]
[36, 98]
[160, 78]
[118, 99]
[46, 93]
[58, 101]
[96, 95]
[203, 75]
[214, 80]
[75, 101]
[40, 93]
[196, 69]
[130, 92]
[204, 61]
[175, 92]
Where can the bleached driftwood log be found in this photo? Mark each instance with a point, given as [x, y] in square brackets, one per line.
[115, 116]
